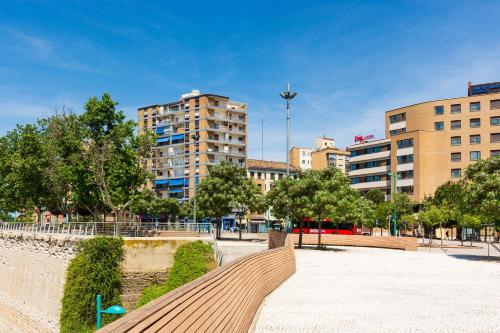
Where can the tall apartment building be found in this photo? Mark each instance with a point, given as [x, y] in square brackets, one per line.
[433, 142]
[194, 133]
[324, 156]
[369, 165]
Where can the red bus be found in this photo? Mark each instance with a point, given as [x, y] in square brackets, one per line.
[327, 227]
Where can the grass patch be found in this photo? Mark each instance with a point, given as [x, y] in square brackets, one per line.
[96, 269]
[191, 261]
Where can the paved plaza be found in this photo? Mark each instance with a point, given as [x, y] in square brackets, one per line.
[379, 290]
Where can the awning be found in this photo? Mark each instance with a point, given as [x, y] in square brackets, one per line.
[163, 139]
[161, 181]
[159, 130]
[176, 190]
[177, 137]
[177, 182]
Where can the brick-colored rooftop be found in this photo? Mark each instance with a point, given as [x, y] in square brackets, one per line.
[268, 165]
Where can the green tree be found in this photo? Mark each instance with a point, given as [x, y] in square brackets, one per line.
[432, 217]
[251, 199]
[469, 221]
[482, 189]
[221, 191]
[376, 196]
[62, 149]
[114, 153]
[288, 198]
[147, 202]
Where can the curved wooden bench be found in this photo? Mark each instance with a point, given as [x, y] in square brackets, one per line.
[399, 243]
[223, 300]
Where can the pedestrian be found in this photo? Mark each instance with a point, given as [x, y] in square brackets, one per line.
[447, 234]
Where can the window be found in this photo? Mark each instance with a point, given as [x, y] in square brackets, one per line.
[405, 159]
[406, 189]
[372, 164]
[397, 131]
[456, 124]
[456, 157]
[439, 110]
[303, 161]
[372, 150]
[495, 137]
[354, 153]
[397, 118]
[375, 178]
[439, 125]
[355, 180]
[405, 174]
[456, 173]
[405, 143]
[252, 174]
[495, 104]
[495, 121]
[475, 106]
[456, 108]
[475, 139]
[475, 155]
[259, 175]
[495, 153]
[354, 167]
[456, 140]
[475, 123]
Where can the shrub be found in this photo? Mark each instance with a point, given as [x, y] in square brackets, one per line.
[96, 269]
[191, 261]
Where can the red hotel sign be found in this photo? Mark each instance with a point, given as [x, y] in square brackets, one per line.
[360, 138]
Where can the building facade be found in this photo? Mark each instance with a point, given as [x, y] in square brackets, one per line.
[369, 166]
[433, 142]
[194, 133]
[324, 156]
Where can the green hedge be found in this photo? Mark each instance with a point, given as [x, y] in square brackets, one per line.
[191, 261]
[96, 269]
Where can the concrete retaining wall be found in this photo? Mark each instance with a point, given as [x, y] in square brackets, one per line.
[33, 270]
[224, 300]
[32, 273]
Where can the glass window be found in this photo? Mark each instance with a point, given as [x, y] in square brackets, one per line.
[355, 180]
[475, 123]
[405, 143]
[495, 104]
[354, 153]
[397, 118]
[456, 108]
[405, 159]
[495, 153]
[475, 139]
[439, 125]
[456, 157]
[475, 106]
[456, 124]
[398, 131]
[475, 155]
[456, 140]
[495, 137]
[439, 110]
[495, 121]
[456, 173]
[354, 167]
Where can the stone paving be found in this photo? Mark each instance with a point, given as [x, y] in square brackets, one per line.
[378, 290]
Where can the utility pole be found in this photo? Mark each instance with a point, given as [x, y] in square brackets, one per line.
[288, 96]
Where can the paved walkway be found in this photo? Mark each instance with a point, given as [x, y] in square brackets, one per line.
[376, 290]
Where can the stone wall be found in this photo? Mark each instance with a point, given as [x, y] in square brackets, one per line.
[32, 273]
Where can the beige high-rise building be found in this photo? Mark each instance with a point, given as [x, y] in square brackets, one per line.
[433, 142]
[324, 156]
[194, 133]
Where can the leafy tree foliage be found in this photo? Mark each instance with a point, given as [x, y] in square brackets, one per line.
[224, 190]
[376, 196]
[147, 202]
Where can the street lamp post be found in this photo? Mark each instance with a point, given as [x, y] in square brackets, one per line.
[114, 309]
[195, 137]
[394, 176]
[288, 96]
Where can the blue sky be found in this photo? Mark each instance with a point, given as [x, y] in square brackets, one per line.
[349, 61]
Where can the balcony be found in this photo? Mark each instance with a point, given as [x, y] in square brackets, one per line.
[370, 171]
[398, 125]
[370, 185]
[404, 151]
[405, 182]
[404, 167]
[369, 157]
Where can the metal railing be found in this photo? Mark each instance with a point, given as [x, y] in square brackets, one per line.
[130, 229]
